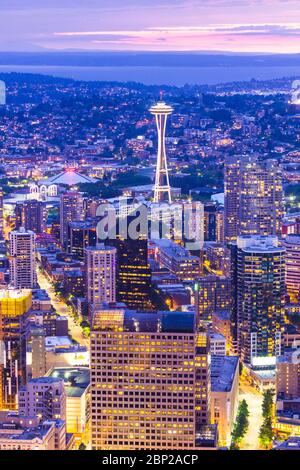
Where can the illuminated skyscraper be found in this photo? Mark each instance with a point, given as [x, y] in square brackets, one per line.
[71, 209]
[253, 197]
[81, 234]
[212, 293]
[22, 259]
[14, 312]
[161, 111]
[231, 200]
[260, 294]
[30, 214]
[1, 213]
[150, 381]
[133, 272]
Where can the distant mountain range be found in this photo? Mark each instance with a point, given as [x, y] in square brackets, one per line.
[148, 59]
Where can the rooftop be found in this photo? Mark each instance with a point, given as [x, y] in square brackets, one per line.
[172, 249]
[292, 443]
[69, 178]
[76, 379]
[53, 342]
[171, 322]
[259, 244]
[216, 336]
[44, 380]
[222, 314]
[155, 322]
[28, 434]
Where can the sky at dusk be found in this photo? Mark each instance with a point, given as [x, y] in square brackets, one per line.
[193, 25]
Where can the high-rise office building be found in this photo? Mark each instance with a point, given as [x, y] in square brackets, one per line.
[90, 206]
[260, 294]
[150, 381]
[231, 197]
[253, 197]
[100, 266]
[292, 269]
[81, 234]
[161, 111]
[71, 209]
[30, 215]
[233, 311]
[133, 272]
[212, 293]
[14, 312]
[22, 259]
[220, 225]
[210, 221]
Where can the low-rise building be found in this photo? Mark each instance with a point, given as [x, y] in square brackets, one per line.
[30, 433]
[217, 344]
[77, 386]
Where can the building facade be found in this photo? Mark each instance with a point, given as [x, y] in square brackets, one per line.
[292, 271]
[150, 381]
[30, 215]
[260, 294]
[44, 397]
[14, 313]
[253, 197]
[22, 259]
[100, 266]
[71, 209]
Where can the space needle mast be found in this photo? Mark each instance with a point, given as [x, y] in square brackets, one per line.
[162, 188]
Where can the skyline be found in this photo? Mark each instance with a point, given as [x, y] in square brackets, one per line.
[128, 322]
[261, 26]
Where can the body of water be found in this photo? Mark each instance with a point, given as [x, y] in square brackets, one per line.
[152, 75]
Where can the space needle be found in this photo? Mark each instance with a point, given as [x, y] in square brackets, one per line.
[162, 190]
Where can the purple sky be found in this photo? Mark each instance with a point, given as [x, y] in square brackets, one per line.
[231, 25]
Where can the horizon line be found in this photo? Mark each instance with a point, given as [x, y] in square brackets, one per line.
[148, 51]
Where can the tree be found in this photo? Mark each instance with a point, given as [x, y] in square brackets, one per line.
[241, 425]
[266, 432]
[82, 446]
[267, 405]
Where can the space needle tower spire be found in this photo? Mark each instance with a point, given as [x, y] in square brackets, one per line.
[162, 190]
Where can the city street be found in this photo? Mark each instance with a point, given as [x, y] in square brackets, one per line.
[254, 399]
[63, 310]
